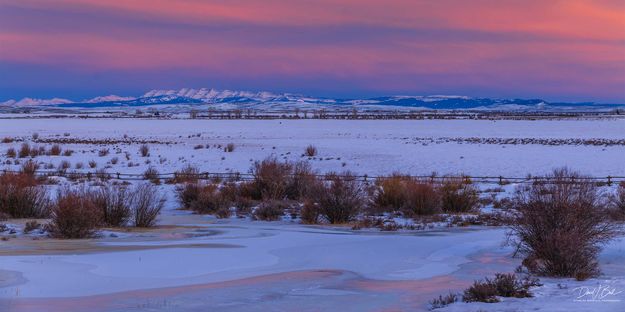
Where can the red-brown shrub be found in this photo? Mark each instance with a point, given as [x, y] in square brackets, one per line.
[341, 198]
[409, 195]
[458, 195]
[21, 197]
[560, 225]
[114, 203]
[147, 203]
[74, 215]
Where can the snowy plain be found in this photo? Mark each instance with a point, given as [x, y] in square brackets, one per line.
[193, 261]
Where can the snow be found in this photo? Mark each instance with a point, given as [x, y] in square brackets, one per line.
[373, 147]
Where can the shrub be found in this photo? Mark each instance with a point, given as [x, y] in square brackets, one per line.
[481, 291]
[341, 198]
[410, 196]
[209, 200]
[458, 195]
[74, 215]
[223, 213]
[11, 153]
[560, 225]
[151, 174]
[617, 201]
[64, 165]
[271, 210]
[21, 197]
[55, 150]
[103, 152]
[7, 140]
[503, 285]
[68, 152]
[271, 179]
[310, 151]
[79, 165]
[92, 164]
[35, 136]
[146, 204]
[187, 174]
[302, 182]
[442, 302]
[229, 148]
[309, 213]
[114, 161]
[144, 150]
[31, 226]
[24, 150]
[30, 168]
[113, 201]
[188, 193]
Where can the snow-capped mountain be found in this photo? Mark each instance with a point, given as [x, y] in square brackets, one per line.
[228, 99]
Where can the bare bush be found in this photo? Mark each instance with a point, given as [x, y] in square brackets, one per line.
[103, 152]
[30, 168]
[310, 151]
[271, 179]
[458, 195]
[411, 196]
[114, 161]
[22, 197]
[188, 174]
[68, 152]
[151, 174]
[93, 164]
[114, 202]
[271, 210]
[560, 225]
[74, 215]
[11, 153]
[341, 198]
[7, 140]
[503, 285]
[229, 148]
[144, 150]
[309, 213]
[64, 165]
[442, 302]
[617, 202]
[147, 203]
[31, 226]
[209, 200]
[55, 150]
[302, 182]
[24, 150]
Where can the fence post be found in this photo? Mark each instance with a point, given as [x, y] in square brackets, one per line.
[118, 176]
[609, 181]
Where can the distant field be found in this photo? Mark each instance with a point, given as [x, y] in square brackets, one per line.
[374, 147]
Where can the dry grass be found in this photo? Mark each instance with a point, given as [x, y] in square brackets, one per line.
[55, 150]
[310, 151]
[144, 150]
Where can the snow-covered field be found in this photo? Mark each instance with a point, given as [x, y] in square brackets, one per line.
[371, 147]
[199, 263]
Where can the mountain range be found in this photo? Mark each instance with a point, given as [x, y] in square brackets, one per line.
[227, 99]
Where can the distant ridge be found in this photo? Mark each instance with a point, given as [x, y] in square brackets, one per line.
[264, 100]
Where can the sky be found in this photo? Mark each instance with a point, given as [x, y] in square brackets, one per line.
[558, 50]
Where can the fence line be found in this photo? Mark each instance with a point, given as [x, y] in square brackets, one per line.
[238, 176]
